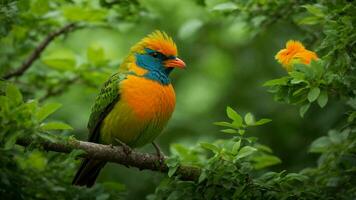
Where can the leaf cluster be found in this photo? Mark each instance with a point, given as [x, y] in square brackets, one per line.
[30, 173]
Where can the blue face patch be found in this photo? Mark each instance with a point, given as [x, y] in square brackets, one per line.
[153, 62]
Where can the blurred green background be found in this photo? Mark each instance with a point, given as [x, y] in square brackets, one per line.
[227, 63]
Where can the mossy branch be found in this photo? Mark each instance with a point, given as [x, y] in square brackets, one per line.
[116, 154]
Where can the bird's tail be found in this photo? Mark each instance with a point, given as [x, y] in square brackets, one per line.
[88, 172]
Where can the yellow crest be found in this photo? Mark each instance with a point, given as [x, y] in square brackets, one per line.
[158, 41]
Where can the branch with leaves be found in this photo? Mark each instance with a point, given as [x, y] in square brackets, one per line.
[38, 50]
[117, 154]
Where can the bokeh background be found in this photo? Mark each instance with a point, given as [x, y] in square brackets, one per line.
[227, 64]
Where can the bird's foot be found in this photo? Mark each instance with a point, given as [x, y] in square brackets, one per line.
[159, 154]
[127, 150]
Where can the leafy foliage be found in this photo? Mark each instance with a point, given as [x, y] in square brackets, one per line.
[305, 85]
[231, 169]
[21, 168]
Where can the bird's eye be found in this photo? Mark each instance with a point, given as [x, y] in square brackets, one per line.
[154, 54]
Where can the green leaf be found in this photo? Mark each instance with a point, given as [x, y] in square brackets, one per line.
[46, 110]
[241, 131]
[279, 81]
[189, 28]
[299, 91]
[236, 147]
[48, 137]
[335, 137]
[228, 6]
[245, 151]
[14, 94]
[182, 151]
[313, 94]
[323, 99]
[295, 176]
[303, 109]
[318, 67]
[251, 139]
[11, 140]
[258, 20]
[265, 160]
[202, 176]
[264, 148]
[210, 147]
[60, 59]
[249, 119]
[320, 145]
[231, 131]
[32, 106]
[316, 10]
[55, 126]
[225, 124]
[262, 121]
[298, 77]
[309, 20]
[173, 164]
[345, 134]
[233, 115]
[351, 117]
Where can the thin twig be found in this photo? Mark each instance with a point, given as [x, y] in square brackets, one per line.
[38, 50]
[117, 154]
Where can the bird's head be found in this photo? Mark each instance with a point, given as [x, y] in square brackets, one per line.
[155, 55]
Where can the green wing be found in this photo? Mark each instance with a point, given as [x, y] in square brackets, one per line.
[104, 102]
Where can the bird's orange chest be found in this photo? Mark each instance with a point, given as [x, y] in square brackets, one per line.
[148, 99]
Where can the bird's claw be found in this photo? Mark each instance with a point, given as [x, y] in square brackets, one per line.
[161, 159]
[159, 153]
[127, 150]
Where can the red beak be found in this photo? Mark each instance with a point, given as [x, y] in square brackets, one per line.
[176, 62]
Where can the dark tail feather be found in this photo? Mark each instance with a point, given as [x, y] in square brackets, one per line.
[88, 172]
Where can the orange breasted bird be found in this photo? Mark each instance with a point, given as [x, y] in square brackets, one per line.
[135, 104]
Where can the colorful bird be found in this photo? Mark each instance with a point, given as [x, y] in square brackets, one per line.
[136, 103]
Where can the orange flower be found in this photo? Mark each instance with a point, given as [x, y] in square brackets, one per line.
[294, 52]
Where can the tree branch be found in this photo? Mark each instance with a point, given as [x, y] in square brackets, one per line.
[38, 50]
[116, 154]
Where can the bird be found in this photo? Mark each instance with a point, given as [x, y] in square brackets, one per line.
[135, 103]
